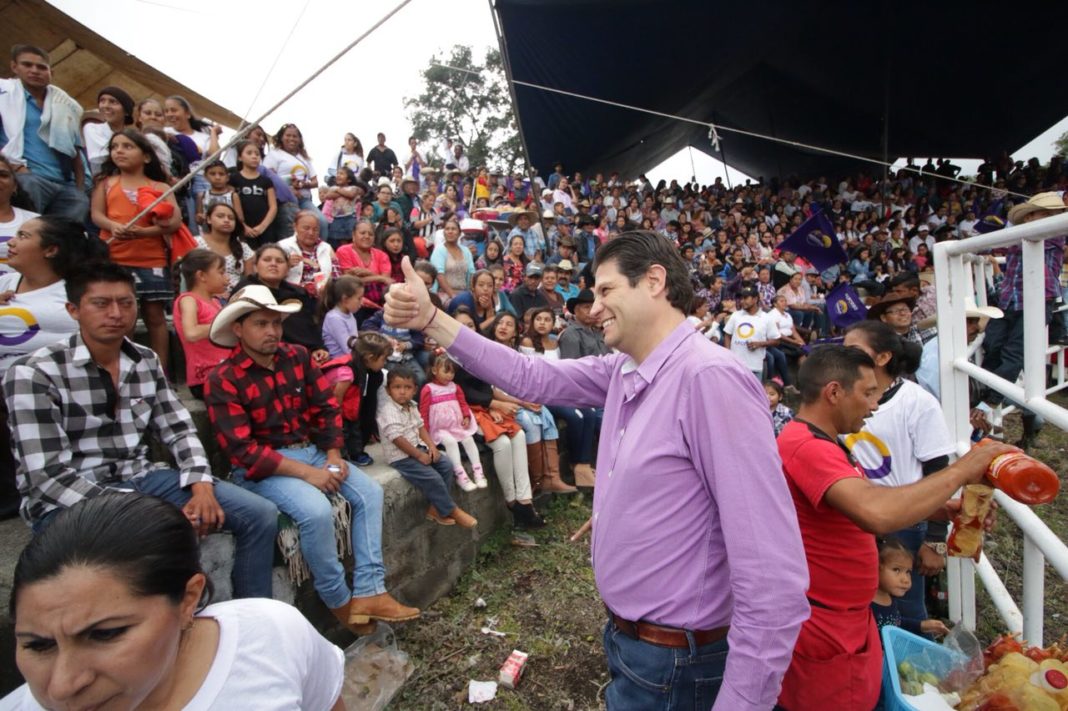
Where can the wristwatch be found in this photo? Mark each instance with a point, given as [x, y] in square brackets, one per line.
[937, 547]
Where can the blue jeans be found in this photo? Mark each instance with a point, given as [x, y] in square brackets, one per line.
[537, 425]
[306, 203]
[340, 231]
[433, 480]
[775, 364]
[52, 198]
[253, 520]
[311, 511]
[646, 676]
[583, 423]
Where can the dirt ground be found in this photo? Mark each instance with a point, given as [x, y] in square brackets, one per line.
[545, 602]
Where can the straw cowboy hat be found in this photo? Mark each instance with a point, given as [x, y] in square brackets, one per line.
[252, 298]
[1040, 202]
[409, 178]
[516, 214]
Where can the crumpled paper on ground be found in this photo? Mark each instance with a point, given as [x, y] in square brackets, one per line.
[479, 692]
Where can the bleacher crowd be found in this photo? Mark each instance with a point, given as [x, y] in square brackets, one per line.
[272, 270]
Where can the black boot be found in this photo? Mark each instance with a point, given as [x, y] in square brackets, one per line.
[525, 516]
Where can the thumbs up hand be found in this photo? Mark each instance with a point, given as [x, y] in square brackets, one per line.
[408, 304]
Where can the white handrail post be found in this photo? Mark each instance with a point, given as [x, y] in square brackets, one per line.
[1034, 591]
[1034, 295]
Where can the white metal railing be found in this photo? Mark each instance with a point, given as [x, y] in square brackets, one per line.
[960, 274]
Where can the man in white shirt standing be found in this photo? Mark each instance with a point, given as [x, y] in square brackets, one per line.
[749, 332]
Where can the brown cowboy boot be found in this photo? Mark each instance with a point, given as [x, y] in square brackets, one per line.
[535, 466]
[552, 481]
[584, 476]
[342, 614]
[379, 607]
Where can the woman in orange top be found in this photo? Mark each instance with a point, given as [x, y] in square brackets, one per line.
[131, 178]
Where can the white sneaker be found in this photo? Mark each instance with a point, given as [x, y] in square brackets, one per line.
[480, 479]
[465, 483]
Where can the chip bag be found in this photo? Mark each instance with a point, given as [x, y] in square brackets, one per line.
[966, 539]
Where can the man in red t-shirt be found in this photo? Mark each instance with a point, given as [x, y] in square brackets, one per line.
[837, 661]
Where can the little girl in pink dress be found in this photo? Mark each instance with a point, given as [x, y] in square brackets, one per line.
[449, 421]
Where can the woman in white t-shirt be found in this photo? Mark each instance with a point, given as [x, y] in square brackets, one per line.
[290, 161]
[904, 440]
[15, 208]
[134, 630]
[33, 298]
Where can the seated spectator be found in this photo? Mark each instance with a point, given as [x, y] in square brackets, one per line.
[454, 263]
[370, 352]
[550, 276]
[791, 345]
[515, 264]
[371, 265]
[223, 234]
[311, 259]
[895, 310]
[337, 313]
[41, 254]
[450, 422]
[134, 558]
[275, 415]
[75, 438]
[483, 300]
[493, 254]
[534, 241]
[504, 437]
[203, 271]
[270, 265]
[910, 285]
[46, 154]
[528, 295]
[582, 337]
[410, 450]
[565, 272]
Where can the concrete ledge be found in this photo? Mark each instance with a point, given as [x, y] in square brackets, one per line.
[423, 559]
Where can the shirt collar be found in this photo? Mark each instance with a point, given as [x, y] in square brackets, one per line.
[82, 357]
[638, 377]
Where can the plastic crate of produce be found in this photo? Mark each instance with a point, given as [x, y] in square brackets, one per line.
[899, 646]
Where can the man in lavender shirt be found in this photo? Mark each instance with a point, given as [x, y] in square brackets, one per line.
[696, 547]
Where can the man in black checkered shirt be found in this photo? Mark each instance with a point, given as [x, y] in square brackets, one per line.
[81, 411]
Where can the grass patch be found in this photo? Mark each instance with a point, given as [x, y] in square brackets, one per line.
[542, 598]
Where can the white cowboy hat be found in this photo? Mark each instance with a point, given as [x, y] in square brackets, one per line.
[1040, 202]
[972, 310]
[252, 298]
[409, 178]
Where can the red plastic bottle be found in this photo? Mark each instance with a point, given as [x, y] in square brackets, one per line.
[1024, 478]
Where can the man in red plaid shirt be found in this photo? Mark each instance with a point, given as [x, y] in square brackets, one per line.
[274, 413]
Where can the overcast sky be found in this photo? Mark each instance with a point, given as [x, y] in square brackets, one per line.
[223, 50]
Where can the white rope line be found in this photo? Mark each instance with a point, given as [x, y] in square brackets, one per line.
[241, 133]
[277, 56]
[714, 128]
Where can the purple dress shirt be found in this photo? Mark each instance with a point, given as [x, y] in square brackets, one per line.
[693, 522]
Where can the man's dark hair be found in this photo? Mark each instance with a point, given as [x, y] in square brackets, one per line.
[94, 273]
[635, 252]
[20, 49]
[829, 364]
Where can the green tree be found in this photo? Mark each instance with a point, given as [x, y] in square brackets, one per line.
[469, 102]
[1061, 144]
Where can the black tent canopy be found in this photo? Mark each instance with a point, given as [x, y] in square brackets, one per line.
[905, 78]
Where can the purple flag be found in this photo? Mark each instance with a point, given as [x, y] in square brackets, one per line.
[816, 241]
[844, 306]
